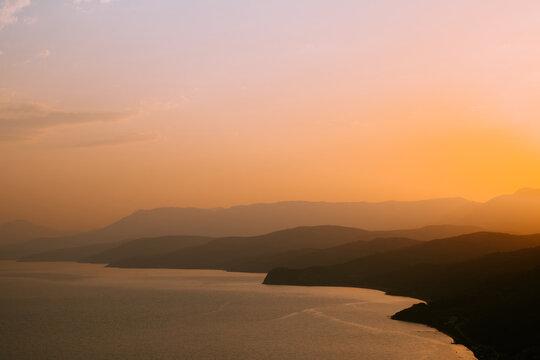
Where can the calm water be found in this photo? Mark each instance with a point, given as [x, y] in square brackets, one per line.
[79, 311]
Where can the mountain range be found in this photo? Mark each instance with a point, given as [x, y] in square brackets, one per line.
[18, 231]
[369, 270]
[312, 245]
[480, 287]
[105, 253]
[517, 213]
[302, 245]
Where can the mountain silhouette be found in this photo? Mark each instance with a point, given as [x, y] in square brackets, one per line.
[146, 247]
[321, 257]
[362, 272]
[481, 289]
[105, 253]
[517, 213]
[70, 253]
[20, 230]
[251, 220]
[262, 253]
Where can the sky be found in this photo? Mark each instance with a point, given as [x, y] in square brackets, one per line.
[109, 106]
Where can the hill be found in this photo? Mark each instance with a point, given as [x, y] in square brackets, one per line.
[321, 257]
[479, 288]
[263, 252]
[20, 230]
[145, 247]
[69, 254]
[367, 271]
[489, 304]
[105, 253]
[256, 219]
[517, 213]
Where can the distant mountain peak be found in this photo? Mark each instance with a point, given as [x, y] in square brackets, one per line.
[22, 230]
[529, 192]
[20, 223]
[17, 222]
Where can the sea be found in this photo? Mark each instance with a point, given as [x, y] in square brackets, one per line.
[63, 310]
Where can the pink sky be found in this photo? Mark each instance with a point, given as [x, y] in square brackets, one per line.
[111, 106]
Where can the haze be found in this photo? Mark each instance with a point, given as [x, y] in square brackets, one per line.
[116, 105]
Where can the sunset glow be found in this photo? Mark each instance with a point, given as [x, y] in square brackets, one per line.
[107, 107]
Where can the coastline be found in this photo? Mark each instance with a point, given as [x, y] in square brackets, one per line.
[479, 351]
[326, 323]
[420, 313]
[448, 324]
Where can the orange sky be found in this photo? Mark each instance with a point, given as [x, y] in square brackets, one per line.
[111, 106]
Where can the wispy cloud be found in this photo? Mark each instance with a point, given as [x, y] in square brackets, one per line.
[41, 55]
[119, 139]
[9, 10]
[30, 20]
[23, 121]
[44, 54]
[89, 1]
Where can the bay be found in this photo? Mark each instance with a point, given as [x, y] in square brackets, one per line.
[85, 311]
